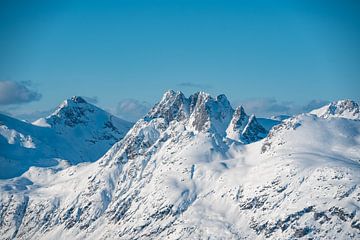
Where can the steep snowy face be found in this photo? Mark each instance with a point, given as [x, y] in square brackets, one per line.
[244, 128]
[339, 109]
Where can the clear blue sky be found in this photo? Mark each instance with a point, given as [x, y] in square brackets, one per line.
[291, 50]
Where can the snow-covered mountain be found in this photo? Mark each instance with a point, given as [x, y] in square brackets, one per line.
[184, 172]
[343, 108]
[201, 112]
[77, 132]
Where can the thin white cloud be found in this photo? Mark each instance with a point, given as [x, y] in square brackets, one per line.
[193, 85]
[132, 109]
[12, 92]
[93, 100]
[32, 116]
[266, 107]
[313, 104]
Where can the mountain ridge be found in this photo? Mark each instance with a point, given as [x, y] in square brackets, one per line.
[342, 108]
[169, 178]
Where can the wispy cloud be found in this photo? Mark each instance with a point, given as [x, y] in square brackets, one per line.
[12, 92]
[313, 104]
[266, 107]
[32, 116]
[93, 100]
[194, 85]
[132, 109]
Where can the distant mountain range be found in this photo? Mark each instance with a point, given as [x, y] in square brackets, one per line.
[191, 168]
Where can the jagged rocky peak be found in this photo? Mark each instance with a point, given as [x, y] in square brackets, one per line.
[240, 111]
[239, 117]
[209, 114]
[237, 124]
[203, 113]
[225, 105]
[244, 128]
[253, 131]
[71, 102]
[72, 111]
[76, 111]
[342, 108]
[172, 106]
[201, 110]
[78, 99]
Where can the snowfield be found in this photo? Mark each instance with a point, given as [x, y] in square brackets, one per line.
[195, 168]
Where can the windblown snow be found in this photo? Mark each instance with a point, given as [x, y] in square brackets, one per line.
[194, 168]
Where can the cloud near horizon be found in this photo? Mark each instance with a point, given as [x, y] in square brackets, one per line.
[132, 109]
[194, 85]
[92, 100]
[32, 116]
[267, 107]
[12, 92]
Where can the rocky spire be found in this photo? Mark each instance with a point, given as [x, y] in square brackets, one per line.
[172, 106]
[203, 112]
[244, 128]
[237, 124]
[253, 131]
[209, 114]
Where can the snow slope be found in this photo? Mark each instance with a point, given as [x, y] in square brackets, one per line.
[77, 132]
[176, 175]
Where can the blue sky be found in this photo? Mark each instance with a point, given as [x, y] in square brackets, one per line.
[283, 53]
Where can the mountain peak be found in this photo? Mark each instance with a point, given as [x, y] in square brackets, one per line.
[341, 109]
[77, 99]
[73, 102]
[237, 124]
[209, 114]
[169, 94]
[76, 111]
[223, 100]
[244, 128]
[253, 131]
[240, 111]
[173, 105]
[203, 113]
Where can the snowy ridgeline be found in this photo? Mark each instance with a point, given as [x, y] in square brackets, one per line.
[193, 168]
